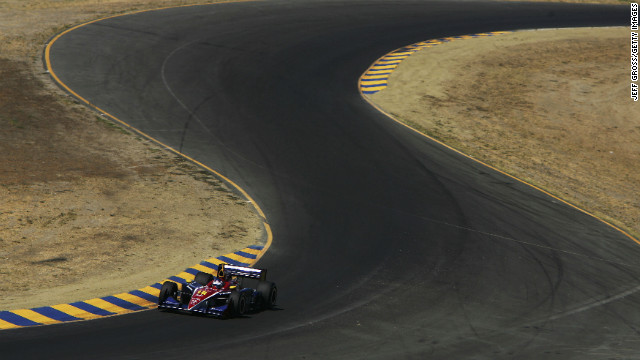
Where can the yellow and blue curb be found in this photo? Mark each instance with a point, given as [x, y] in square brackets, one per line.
[136, 300]
[377, 76]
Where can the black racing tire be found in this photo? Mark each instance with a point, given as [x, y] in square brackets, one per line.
[239, 303]
[268, 294]
[185, 295]
[203, 278]
[169, 288]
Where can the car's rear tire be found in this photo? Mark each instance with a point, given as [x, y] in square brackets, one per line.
[169, 288]
[203, 278]
[268, 293]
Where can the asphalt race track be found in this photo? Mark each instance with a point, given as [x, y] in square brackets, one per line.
[386, 245]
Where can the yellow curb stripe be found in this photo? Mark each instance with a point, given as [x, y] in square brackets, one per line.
[239, 258]
[215, 261]
[375, 82]
[75, 312]
[395, 57]
[379, 72]
[35, 317]
[7, 325]
[105, 305]
[150, 290]
[135, 299]
[182, 275]
[203, 268]
[374, 77]
[383, 67]
[186, 276]
[251, 251]
[378, 88]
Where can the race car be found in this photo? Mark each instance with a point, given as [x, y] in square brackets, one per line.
[223, 295]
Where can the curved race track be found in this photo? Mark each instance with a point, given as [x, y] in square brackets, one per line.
[386, 245]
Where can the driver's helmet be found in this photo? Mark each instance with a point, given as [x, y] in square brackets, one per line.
[217, 283]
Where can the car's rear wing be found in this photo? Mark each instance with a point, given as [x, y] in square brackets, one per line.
[241, 271]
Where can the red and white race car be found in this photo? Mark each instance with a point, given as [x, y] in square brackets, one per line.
[234, 291]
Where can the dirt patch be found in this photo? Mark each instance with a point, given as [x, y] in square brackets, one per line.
[550, 106]
[88, 209]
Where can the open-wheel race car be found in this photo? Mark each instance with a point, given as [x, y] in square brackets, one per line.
[233, 291]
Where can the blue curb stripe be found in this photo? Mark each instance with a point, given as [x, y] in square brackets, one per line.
[247, 255]
[255, 247]
[55, 314]
[144, 295]
[10, 317]
[177, 279]
[209, 265]
[91, 309]
[157, 286]
[191, 271]
[231, 261]
[122, 303]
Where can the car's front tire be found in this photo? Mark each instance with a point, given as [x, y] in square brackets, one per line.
[169, 288]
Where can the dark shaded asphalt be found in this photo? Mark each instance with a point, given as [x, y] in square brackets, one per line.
[386, 245]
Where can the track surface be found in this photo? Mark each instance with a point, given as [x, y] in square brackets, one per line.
[385, 244]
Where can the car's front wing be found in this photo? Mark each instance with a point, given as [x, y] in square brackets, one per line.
[173, 304]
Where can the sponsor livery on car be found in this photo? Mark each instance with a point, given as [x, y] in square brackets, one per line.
[233, 291]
